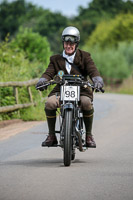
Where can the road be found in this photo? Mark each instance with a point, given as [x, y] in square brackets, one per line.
[30, 172]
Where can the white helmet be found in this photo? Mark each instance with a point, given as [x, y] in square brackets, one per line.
[71, 34]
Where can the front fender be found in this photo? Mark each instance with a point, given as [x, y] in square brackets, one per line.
[68, 106]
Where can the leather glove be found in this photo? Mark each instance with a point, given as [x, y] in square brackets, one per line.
[98, 82]
[42, 81]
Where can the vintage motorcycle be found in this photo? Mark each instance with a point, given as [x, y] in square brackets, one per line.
[71, 131]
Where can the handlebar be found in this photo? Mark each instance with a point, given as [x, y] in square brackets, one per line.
[77, 81]
[52, 82]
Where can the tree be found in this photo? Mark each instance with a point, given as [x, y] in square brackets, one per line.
[97, 11]
[51, 25]
[12, 15]
[110, 33]
[20, 13]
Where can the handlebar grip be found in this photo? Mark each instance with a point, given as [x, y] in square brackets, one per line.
[41, 86]
[46, 84]
[99, 90]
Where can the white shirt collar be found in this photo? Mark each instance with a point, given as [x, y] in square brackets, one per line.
[69, 58]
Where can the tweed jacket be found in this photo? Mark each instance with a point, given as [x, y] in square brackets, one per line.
[82, 60]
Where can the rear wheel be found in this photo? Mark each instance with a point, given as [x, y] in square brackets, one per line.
[73, 155]
[68, 137]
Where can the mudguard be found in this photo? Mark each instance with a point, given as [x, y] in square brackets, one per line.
[68, 106]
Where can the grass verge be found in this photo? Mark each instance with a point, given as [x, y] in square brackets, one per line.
[125, 88]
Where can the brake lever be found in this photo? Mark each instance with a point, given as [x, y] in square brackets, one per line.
[96, 89]
[99, 90]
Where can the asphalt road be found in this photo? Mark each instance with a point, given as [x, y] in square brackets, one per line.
[30, 172]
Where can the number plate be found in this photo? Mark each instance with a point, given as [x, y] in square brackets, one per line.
[70, 93]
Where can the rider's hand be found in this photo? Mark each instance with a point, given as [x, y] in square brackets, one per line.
[98, 82]
[42, 81]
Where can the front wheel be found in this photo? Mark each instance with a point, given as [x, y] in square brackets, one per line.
[68, 137]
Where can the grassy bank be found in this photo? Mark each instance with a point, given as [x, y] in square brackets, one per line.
[125, 88]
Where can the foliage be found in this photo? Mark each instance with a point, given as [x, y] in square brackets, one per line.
[110, 33]
[97, 11]
[126, 49]
[106, 31]
[26, 57]
[6, 96]
[34, 112]
[12, 15]
[16, 66]
[50, 25]
[114, 64]
[41, 20]
[126, 87]
[33, 44]
[13, 64]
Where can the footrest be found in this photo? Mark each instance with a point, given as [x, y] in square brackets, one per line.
[84, 146]
[88, 147]
[55, 145]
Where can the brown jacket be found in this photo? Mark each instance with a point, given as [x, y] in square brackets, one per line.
[82, 60]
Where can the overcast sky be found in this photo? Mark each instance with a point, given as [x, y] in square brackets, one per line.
[66, 7]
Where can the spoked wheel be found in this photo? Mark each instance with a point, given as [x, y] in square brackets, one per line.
[68, 137]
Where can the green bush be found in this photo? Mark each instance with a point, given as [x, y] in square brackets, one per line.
[33, 44]
[113, 63]
[14, 66]
[126, 49]
[111, 45]
[22, 63]
[110, 33]
[34, 112]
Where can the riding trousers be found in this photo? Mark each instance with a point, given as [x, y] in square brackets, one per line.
[53, 103]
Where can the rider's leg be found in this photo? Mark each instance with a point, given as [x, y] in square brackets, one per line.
[50, 110]
[51, 120]
[88, 110]
[88, 120]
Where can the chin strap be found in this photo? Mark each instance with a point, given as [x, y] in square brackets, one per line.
[73, 65]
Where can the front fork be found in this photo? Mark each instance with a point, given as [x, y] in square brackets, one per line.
[77, 125]
[64, 107]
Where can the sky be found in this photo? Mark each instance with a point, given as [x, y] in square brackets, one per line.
[66, 7]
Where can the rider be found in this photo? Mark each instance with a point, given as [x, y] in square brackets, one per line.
[86, 67]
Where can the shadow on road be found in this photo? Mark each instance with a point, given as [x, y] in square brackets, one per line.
[48, 163]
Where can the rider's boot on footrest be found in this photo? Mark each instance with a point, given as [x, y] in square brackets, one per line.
[51, 140]
[90, 141]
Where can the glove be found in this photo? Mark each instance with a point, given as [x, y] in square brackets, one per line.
[98, 82]
[42, 81]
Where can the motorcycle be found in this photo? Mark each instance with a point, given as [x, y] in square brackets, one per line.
[72, 135]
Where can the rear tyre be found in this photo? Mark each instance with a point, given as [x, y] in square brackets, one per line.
[73, 156]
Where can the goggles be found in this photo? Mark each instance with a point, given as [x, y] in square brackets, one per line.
[69, 38]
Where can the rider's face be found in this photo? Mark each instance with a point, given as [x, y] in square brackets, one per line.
[69, 48]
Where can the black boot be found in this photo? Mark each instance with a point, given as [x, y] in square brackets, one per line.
[51, 140]
[51, 120]
[90, 141]
[88, 121]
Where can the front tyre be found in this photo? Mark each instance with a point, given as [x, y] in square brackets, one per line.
[68, 137]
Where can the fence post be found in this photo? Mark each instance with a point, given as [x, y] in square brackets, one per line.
[30, 94]
[15, 85]
[16, 94]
